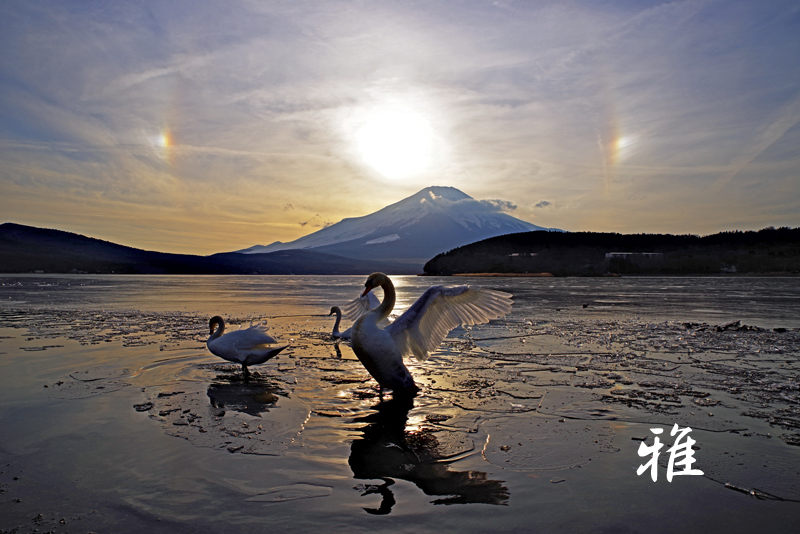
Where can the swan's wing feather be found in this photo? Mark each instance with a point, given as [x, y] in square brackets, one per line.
[373, 300]
[427, 322]
[358, 307]
[251, 337]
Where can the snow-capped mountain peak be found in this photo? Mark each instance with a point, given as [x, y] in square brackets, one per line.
[434, 220]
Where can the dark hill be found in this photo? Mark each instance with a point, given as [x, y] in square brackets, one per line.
[586, 253]
[29, 249]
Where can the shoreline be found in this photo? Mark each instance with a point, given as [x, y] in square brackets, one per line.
[619, 275]
[499, 275]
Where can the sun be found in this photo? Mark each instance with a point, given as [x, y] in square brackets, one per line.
[396, 143]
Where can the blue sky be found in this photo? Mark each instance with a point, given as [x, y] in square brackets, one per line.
[202, 127]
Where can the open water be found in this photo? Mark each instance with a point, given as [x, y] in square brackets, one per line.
[114, 417]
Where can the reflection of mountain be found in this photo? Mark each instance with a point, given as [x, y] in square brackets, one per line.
[251, 398]
[388, 451]
[412, 230]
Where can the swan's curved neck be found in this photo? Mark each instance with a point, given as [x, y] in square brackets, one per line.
[338, 313]
[389, 298]
[215, 333]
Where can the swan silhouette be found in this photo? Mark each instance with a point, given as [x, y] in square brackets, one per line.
[420, 329]
[251, 397]
[387, 450]
[247, 347]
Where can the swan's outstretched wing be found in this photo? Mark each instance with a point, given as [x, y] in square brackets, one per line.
[360, 306]
[373, 300]
[440, 309]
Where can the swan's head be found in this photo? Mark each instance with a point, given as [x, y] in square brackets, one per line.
[374, 280]
[216, 320]
[335, 309]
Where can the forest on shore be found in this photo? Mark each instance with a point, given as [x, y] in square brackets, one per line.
[767, 251]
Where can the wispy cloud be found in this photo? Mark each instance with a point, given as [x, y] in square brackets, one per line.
[624, 115]
[775, 128]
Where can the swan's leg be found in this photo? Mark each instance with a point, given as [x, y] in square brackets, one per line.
[245, 371]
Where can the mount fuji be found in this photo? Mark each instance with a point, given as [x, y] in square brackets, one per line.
[413, 230]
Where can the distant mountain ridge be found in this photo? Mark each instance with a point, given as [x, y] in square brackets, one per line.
[30, 249]
[413, 230]
[397, 239]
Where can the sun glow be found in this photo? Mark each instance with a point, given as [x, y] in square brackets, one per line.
[163, 143]
[396, 143]
[623, 142]
[165, 139]
[625, 146]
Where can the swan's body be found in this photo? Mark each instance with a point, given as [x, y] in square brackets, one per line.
[356, 308]
[420, 329]
[247, 347]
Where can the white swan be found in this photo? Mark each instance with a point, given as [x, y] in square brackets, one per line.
[420, 329]
[354, 310]
[247, 347]
[335, 333]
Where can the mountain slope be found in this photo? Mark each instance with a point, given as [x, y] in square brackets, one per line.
[28, 249]
[412, 230]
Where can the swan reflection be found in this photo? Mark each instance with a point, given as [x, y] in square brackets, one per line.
[252, 398]
[387, 451]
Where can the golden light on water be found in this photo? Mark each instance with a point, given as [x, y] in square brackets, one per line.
[415, 423]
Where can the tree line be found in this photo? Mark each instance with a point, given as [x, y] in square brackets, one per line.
[771, 250]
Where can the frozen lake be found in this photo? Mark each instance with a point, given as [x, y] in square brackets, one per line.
[115, 417]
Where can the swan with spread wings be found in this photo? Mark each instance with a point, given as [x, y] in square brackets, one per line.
[420, 329]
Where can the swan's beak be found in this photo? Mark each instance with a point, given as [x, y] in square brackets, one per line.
[367, 289]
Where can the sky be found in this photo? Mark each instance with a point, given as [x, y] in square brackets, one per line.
[201, 127]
